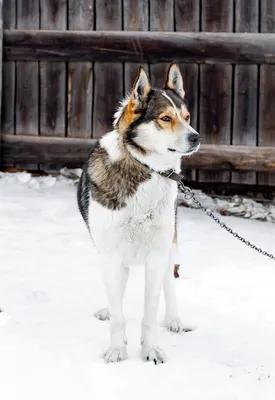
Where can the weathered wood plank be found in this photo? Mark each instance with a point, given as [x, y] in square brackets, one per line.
[216, 85]
[120, 46]
[187, 19]
[108, 77]
[245, 88]
[233, 158]
[23, 149]
[80, 77]
[53, 75]
[161, 20]
[136, 18]
[27, 77]
[267, 91]
[74, 151]
[8, 92]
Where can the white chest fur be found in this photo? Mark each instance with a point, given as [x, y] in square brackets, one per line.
[146, 223]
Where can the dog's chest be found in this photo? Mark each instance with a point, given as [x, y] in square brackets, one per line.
[146, 220]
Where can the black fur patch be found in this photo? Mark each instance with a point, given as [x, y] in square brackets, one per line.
[83, 189]
[109, 183]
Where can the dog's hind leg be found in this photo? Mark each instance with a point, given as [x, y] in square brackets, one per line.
[112, 274]
[172, 320]
[103, 314]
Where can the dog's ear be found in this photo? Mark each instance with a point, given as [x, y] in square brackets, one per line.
[142, 87]
[174, 80]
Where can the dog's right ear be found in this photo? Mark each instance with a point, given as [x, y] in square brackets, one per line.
[142, 87]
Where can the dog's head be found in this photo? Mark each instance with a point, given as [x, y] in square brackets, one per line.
[157, 120]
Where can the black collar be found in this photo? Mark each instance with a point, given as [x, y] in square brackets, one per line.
[171, 174]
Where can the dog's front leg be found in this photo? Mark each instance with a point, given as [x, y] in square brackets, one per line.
[156, 267]
[113, 279]
[103, 314]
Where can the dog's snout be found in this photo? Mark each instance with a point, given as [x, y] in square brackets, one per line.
[194, 138]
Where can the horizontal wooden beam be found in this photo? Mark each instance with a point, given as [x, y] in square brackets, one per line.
[139, 47]
[74, 152]
[233, 158]
[45, 150]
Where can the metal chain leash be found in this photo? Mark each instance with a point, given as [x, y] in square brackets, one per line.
[188, 194]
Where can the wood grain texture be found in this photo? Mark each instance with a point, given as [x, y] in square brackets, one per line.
[27, 77]
[233, 158]
[27, 150]
[53, 75]
[108, 77]
[245, 89]
[74, 152]
[136, 18]
[152, 47]
[8, 92]
[216, 85]
[161, 20]
[80, 76]
[187, 19]
[267, 91]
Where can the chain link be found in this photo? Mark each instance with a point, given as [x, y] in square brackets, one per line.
[188, 194]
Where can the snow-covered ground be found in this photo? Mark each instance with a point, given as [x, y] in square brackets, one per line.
[51, 345]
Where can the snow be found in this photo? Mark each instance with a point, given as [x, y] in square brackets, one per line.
[51, 345]
[237, 206]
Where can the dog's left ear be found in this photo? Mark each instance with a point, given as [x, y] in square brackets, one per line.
[174, 80]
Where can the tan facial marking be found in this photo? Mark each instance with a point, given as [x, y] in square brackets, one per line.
[175, 122]
[185, 115]
[128, 117]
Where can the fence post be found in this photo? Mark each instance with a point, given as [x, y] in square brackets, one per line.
[1, 71]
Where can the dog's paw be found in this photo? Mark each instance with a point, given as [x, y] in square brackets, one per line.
[155, 355]
[102, 314]
[113, 355]
[175, 325]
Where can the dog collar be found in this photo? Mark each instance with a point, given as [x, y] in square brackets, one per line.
[171, 174]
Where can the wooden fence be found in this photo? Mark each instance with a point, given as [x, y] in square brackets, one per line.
[68, 62]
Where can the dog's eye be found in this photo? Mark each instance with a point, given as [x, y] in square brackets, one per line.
[166, 118]
[187, 118]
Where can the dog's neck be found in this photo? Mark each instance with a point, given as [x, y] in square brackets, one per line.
[155, 161]
[119, 150]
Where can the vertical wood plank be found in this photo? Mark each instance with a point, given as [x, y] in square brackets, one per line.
[1, 53]
[108, 77]
[216, 85]
[161, 20]
[27, 86]
[80, 76]
[53, 77]
[267, 91]
[8, 92]
[187, 19]
[245, 89]
[136, 18]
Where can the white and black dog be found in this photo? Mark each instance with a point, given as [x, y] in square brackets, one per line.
[129, 207]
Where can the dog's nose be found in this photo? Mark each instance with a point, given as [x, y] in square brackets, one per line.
[194, 139]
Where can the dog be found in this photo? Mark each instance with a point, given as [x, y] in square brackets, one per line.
[129, 206]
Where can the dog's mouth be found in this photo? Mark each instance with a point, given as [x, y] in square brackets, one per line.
[188, 152]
